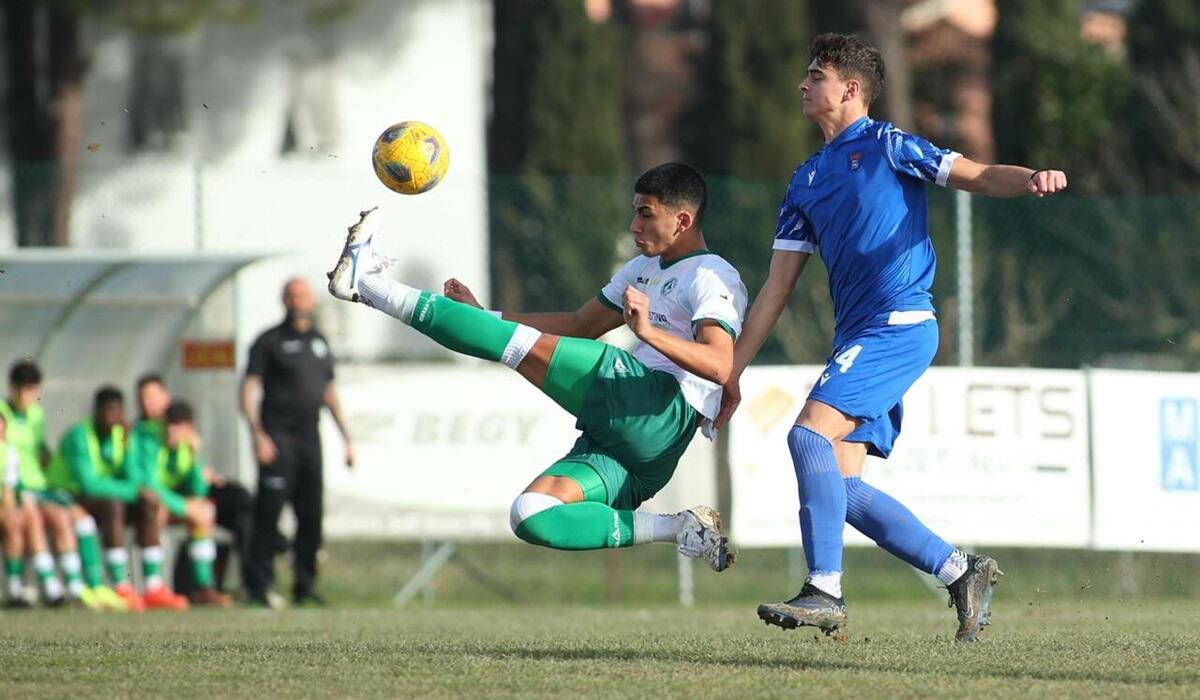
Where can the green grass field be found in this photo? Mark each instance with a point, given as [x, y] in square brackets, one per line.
[1054, 637]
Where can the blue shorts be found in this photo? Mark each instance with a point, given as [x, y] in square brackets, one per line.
[867, 376]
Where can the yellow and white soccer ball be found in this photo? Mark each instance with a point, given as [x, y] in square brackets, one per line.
[410, 157]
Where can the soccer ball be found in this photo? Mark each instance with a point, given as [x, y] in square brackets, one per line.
[410, 157]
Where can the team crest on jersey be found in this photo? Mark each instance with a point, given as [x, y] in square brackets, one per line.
[670, 285]
[319, 348]
[855, 160]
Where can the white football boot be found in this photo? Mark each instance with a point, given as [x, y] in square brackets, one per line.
[701, 538]
[358, 256]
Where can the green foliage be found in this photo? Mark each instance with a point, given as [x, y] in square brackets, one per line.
[1059, 101]
[747, 120]
[1164, 50]
[557, 199]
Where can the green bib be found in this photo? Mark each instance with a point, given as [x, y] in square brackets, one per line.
[175, 466]
[25, 433]
[110, 465]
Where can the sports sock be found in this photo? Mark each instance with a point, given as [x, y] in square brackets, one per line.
[89, 551]
[453, 325]
[577, 526]
[203, 552]
[654, 527]
[14, 571]
[152, 558]
[72, 571]
[954, 567]
[822, 506]
[116, 560]
[894, 528]
[43, 564]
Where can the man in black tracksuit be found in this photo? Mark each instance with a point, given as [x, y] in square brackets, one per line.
[291, 369]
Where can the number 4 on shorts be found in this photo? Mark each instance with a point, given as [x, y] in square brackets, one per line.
[846, 359]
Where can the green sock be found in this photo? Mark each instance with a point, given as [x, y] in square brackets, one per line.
[89, 554]
[576, 526]
[14, 568]
[203, 552]
[152, 558]
[462, 327]
[116, 560]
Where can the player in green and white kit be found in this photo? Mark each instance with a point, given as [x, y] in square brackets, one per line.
[71, 528]
[163, 455]
[637, 411]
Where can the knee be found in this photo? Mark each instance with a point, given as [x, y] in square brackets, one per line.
[524, 507]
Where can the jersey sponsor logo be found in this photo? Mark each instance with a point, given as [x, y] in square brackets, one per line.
[1179, 422]
[670, 285]
[320, 348]
[659, 320]
[292, 346]
[855, 160]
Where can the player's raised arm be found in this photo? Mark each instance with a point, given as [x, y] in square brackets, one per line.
[592, 320]
[1004, 180]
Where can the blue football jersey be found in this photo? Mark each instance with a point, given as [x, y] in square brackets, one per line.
[860, 202]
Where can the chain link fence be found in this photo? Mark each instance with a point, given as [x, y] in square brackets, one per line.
[1066, 281]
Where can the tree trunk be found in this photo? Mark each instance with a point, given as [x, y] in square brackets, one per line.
[66, 79]
[45, 120]
[883, 24]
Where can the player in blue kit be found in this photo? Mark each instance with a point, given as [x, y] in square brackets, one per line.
[860, 202]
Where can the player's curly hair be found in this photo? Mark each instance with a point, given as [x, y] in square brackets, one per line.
[676, 185]
[851, 58]
[180, 411]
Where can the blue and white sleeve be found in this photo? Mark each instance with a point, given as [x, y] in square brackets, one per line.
[793, 232]
[914, 156]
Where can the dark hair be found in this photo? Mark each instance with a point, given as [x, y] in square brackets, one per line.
[24, 373]
[150, 378]
[851, 58]
[675, 185]
[180, 412]
[107, 394]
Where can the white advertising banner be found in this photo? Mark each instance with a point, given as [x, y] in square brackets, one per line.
[1146, 460]
[986, 457]
[442, 450]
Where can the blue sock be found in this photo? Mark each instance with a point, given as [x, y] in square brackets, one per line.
[822, 500]
[893, 527]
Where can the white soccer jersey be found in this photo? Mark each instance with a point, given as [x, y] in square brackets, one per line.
[697, 287]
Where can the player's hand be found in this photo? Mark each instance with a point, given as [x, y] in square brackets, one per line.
[264, 449]
[349, 449]
[453, 289]
[731, 396]
[1044, 182]
[636, 310]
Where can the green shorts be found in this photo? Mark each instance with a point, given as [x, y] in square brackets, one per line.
[636, 425]
[57, 497]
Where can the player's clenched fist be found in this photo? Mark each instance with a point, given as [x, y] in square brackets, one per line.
[636, 311]
[458, 291]
[1044, 182]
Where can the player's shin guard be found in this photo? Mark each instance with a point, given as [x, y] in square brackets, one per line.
[822, 506]
[202, 551]
[894, 528]
[89, 551]
[453, 325]
[548, 522]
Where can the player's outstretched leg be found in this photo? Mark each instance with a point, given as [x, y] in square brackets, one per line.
[970, 579]
[553, 521]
